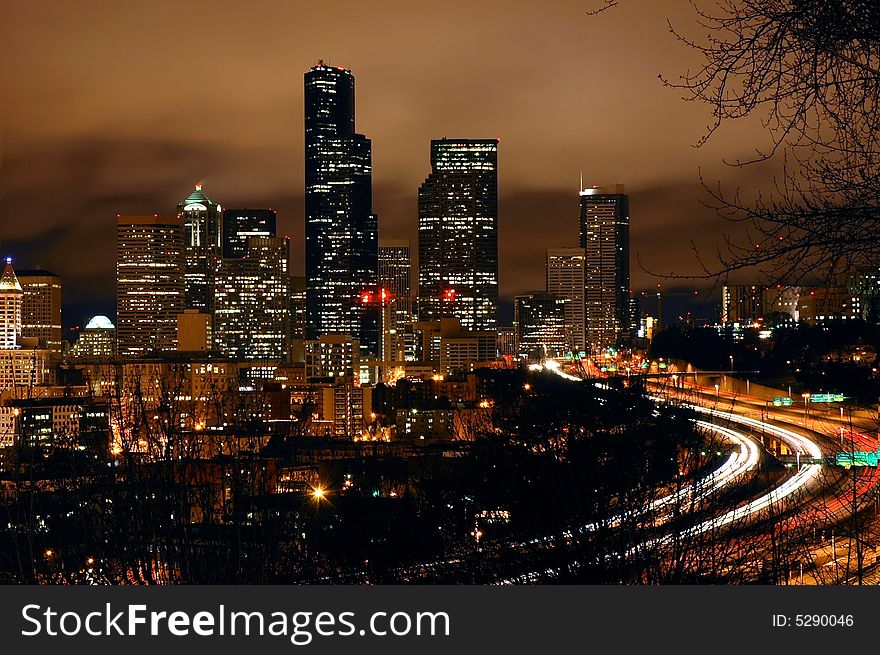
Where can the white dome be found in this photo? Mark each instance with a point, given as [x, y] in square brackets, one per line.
[99, 323]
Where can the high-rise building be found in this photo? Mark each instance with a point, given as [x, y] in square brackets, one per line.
[252, 302]
[201, 236]
[41, 308]
[332, 356]
[605, 239]
[864, 281]
[11, 297]
[297, 308]
[742, 303]
[566, 279]
[96, 340]
[395, 276]
[505, 341]
[539, 320]
[341, 229]
[239, 225]
[149, 283]
[458, 234]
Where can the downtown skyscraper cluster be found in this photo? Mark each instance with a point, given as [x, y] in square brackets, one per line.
[226, 276]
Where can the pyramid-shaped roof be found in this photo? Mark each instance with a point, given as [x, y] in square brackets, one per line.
[197, 196]
[8, 281]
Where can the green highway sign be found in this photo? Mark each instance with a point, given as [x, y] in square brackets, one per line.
[858, 458]
[827, 398]
[782, 401]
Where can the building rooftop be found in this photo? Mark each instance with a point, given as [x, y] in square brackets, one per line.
[99, 322]
[8, 281]
[36, 272]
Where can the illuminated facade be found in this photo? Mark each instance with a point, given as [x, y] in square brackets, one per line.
[864, 282]
[96, 340]
[239, 225]
[539, 320]
[344, 405]
[458, 234]
[604, 236]
[742, 303]
[11, 297]
[566, 279]
[41, 308]
[252, 302]
[201, 238]
[149, 283]
[341, 228]
[395, 275]
[332, 356]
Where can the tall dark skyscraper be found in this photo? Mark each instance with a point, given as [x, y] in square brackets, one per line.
[605, 240]
[149, 283]
[201, 240]
[241, 224]
[395, 275]
[341, 229]
[458, 234]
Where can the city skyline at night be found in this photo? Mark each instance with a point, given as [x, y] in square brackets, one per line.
[236, 125]
[395, 294]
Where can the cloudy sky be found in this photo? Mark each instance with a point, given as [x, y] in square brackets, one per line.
[112, 106]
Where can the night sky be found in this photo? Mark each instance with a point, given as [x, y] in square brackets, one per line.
[112, 106]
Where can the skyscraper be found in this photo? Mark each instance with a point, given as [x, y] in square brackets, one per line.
[149, 283]
[41, 308]
[395, 275]
[201, 236]
[539, 321]
[566, 279]
[341, 228]
[11, 296]
[252, 304]
[241, 224]
[458, 234]
[605, 240]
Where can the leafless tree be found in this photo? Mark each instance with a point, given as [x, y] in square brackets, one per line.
[809, 70]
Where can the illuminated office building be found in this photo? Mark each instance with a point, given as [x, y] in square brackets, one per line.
[252, 302]
[149, 283]
[395, 275]
[539, 321]
[201, 236]
[11, 297]
[41, 308]
[96, 340]
[239, 225]
[341, 228]
[604, 236]
[458, 234]
[566, 279]
[332, 356]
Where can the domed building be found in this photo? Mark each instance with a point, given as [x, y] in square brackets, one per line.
[97, 339]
